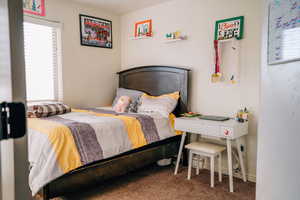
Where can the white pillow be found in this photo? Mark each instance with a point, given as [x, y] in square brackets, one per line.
[164, 104]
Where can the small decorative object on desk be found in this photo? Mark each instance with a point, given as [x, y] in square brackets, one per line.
[191, 114]
[242, 115]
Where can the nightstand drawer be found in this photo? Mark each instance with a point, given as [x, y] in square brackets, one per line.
[226, 131]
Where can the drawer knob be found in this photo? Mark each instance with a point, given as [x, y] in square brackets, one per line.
[226, 132]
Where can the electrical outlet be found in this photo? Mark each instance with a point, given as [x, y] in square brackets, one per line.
[242, 148]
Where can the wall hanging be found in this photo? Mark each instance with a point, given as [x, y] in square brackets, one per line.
[227, 61]
[216, 76]
[143, 29]
[228, 32]
[34, 7]
[229, 28]
[95, 32]
[284, 31]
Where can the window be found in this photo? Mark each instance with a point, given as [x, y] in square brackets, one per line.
[41, 60]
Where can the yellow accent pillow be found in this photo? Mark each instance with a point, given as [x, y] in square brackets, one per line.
[174, 95]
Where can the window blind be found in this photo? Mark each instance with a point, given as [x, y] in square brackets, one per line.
[41, 61]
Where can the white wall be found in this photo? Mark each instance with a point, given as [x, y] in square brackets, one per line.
[89, 77]
[278, 135]
[197, 19]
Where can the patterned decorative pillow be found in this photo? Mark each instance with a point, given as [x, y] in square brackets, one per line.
[122, 105]
[133, 106]
[46, 110]
[133, 94]
[164, 104]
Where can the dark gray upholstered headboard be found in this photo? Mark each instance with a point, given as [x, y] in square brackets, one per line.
[158, 80]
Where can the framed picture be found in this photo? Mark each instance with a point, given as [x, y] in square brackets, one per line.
[95, 32]
[229, 28]
[143, 29]
[284, 31]
[34, 7]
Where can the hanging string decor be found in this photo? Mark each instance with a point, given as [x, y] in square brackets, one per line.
[216, 76]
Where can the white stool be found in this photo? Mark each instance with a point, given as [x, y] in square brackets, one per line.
[207, 150]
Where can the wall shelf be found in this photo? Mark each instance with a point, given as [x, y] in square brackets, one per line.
[141, 37]
[173, 40]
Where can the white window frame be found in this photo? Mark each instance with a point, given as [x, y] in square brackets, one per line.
[58, 87]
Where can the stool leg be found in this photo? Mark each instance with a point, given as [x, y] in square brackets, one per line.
[198, 166]
[203, 162]
[190, 164]
[212, 171]
[220, 167]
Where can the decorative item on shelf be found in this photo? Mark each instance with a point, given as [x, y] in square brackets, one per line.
[233, 80]
[95, 32]
[34, 7]
[143, 29]
[216, 76]
[229, 28]
[191, 114]
[175, 36]
[242, 115]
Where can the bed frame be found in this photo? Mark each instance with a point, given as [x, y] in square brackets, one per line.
[154, 80]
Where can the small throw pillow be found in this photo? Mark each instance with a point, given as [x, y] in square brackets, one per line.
[122, 104]
[133, 106]
[164, 104]
[133, 94]
[47, 110]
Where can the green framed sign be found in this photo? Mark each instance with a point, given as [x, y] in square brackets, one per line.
[229, 28]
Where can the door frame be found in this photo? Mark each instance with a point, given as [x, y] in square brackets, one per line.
[15, 169]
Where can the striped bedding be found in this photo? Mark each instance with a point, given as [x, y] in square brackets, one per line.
[62, 143]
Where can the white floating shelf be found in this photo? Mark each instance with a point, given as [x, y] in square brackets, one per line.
[141, 38]
[173, 40]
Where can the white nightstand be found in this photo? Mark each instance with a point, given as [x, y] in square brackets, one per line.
[229, 130]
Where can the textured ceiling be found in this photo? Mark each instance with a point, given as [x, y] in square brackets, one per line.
[122, 6]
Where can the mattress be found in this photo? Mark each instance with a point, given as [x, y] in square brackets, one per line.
[62, 143]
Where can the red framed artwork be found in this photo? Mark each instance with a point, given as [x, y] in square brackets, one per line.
[143, 29]
[34, 7]
[95, 32]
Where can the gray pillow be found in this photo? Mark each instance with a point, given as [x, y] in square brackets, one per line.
[133, 94]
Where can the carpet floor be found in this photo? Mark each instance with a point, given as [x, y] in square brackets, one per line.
[159, 183]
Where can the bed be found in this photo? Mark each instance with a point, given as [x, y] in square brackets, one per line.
[154, 80]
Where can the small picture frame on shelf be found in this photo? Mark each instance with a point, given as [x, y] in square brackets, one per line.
[230, 28]
[143, 28]
[95, 32]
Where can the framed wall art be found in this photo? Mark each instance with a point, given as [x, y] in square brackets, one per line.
[284, 31]
[230, 28]
[34, 7]
[95, 32]
[143, 28]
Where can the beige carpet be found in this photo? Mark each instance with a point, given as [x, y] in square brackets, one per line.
[157, 183]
